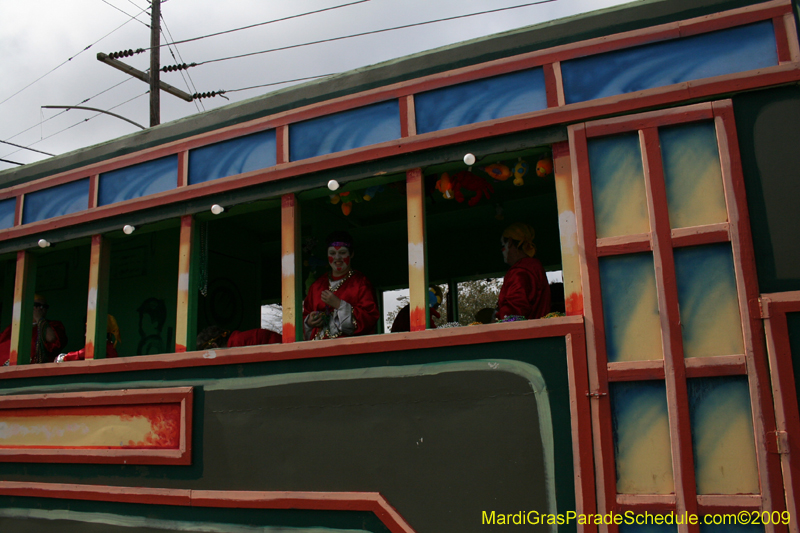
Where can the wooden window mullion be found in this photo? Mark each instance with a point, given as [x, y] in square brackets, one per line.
[671, 335]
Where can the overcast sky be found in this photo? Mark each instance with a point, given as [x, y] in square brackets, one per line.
[36, 36]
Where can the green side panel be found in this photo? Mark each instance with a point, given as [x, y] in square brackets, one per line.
[793, 324]
[768, 126]
[692, 175]
[442, 433]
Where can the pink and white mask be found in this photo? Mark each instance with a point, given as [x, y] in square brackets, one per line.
[339, 260]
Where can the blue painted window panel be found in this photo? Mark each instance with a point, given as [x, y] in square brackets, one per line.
[659, 64]
[355, 128]
[7, 208]
[630, 308]
[476, 101]
[236, 156]
[723, 439]
[640, 424]
[139, 180]
[709, 301]
[618, 188]
[56, 201]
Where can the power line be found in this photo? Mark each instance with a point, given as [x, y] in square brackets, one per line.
[62, 112]
[279, 83]
[265, 23]
[191, 86]
[371, 32]
[67, 61]
[128, 14]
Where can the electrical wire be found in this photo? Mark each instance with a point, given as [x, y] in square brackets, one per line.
[67, 61]
[189, 84]
[128, 14]
[279, 83]
[373, 32]
[265, 23]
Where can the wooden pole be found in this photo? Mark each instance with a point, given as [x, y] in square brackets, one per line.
[155, 62]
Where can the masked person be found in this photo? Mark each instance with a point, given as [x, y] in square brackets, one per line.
[342, 302]
[47, 337]
[525, 292]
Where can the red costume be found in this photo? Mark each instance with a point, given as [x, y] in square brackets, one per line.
[355, 290]
[80, 355]
[525, 290]
[52, 348]
[253, 337]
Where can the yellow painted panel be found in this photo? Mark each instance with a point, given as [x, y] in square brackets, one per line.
[618, 189]
[642, 439]
[74, 430]
[693, 175]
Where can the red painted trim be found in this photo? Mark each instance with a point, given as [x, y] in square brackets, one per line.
[625, 244]
[282, 144]
[602, 438]
[94, 186]
[679, 115]
[183, 168]
[550, 85]
[408, 116]
[747, 284]
[18, 210]
[646, 502]
[720, 365]
[671, 335]
[709, 234]
[581, 422]
[636, 370]
[784, 390]
[531, 329]
[737, 17]
[109, 398]
[728, 503]
[781, 39]
[322, 501]
[790, 26]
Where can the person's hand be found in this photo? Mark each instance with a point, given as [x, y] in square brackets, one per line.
[60, 358]
[316, 319]
[331, 299]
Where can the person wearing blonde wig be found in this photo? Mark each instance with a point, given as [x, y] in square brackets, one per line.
[525, 292]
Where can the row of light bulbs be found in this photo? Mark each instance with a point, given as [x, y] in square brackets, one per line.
[469, 160]
[127, 229]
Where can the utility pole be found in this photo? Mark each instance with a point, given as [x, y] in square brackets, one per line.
[153, 78]
[155, 62]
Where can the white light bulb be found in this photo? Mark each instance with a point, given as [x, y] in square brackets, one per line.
[469, 159]
[128, 229]
[333, 185]
[43, 243]
[217, 209]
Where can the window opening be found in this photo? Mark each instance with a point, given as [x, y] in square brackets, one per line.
[373, 214]
[468, 208]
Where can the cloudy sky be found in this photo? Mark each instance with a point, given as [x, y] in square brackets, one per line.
[48, 52]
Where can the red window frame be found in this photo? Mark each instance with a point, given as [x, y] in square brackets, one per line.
[674, 369]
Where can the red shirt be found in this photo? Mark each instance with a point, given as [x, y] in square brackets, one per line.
[525, 290]
[357, 291]
[52, 348]
[253, 337]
